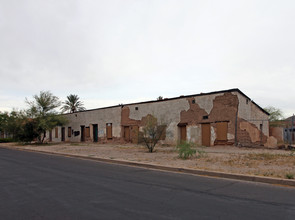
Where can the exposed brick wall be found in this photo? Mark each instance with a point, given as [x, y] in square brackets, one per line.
[244, 137]
[224, 109]
[125, 117]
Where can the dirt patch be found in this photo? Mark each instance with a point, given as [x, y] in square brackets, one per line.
[229, 159]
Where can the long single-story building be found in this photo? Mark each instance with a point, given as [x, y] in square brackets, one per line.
[227, 117]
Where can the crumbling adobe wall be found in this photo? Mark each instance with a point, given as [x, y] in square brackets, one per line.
[249, 135]
[278, 133]
[125, 117]
[221, 107]
[250, 119]
[251, 113]
[166, 111]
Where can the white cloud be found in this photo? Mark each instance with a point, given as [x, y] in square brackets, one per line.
[126, 50]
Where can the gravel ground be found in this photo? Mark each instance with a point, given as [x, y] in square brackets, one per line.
[230, 159]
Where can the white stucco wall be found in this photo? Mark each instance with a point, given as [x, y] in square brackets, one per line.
[167, 112]
[250, 112]
[206, 102]
[194, 134]
[87, 118]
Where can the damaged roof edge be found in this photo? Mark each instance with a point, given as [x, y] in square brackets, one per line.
[174, 98]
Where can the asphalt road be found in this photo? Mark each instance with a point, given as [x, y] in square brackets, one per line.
[39, 186]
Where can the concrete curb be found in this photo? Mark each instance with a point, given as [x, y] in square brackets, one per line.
[251, 178]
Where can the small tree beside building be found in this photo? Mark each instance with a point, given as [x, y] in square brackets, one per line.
[42, 114]
[152, 132]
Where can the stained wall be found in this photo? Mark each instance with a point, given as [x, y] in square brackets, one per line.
[246, 123]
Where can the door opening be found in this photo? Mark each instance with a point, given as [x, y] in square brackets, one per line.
[206, 135]
[82, 133]
[109, 131]
[95, 133]
[63, 133]
[127, 133]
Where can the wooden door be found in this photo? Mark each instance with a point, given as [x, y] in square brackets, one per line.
[206, 134]
[127, 133]
[109, 131]
[183, 133]
[221, 131]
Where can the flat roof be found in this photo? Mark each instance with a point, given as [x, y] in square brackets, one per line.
[179, 97]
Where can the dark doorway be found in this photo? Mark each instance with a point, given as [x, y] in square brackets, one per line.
[95, 133]
[50, 135]
[63, 133]
[82, 133]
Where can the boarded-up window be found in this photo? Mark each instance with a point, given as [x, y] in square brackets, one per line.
[69, 132]
[87, 132]
[221, 131]
[56, 132]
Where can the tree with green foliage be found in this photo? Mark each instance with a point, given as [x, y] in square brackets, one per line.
[42, 114]
[72, 104]
[276, 114]
[152, 132]
[11, 123]
[3, 121]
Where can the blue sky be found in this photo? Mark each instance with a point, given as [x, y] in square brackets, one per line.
[111, 52]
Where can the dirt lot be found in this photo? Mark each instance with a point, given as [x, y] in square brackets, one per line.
[230, 159]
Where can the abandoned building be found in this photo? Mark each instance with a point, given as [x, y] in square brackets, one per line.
[227, 117]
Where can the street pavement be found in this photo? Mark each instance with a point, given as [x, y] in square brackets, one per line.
[40, 186]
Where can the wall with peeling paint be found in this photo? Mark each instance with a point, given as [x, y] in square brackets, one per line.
[166, 111]
[230, 108]
[87, 118]
[250, 112]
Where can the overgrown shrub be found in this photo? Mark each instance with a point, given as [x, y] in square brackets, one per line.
[6, 140]
[186, 150]
[189, 149]
[290, 176]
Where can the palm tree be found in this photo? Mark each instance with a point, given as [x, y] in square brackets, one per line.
[72, 104]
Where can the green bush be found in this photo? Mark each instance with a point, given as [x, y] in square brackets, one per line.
[6, 140]
[185, 150]
[290, 176]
